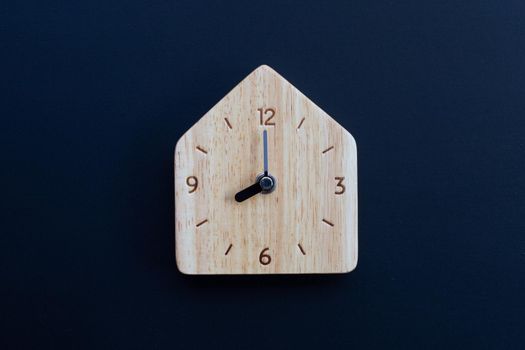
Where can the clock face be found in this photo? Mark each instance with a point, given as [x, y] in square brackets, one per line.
[232, 217]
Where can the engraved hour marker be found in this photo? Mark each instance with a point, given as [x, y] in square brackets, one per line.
[328, 222]
[342, 187]
[301, 123]
[202, 222]
[228, 123]
[301, 249]
[228, 250]
[328, 149]
[199, 148]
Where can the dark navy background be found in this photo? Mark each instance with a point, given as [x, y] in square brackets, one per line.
[95, 94]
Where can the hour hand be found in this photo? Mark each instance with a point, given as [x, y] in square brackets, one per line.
[248, 192]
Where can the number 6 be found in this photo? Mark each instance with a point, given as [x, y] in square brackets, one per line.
[265, 259]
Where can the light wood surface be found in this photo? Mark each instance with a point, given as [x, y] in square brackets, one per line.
[304, 226]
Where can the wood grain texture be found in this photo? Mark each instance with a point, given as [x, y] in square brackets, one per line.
[301, 227]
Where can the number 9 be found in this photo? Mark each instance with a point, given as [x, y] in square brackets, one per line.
[192, 182]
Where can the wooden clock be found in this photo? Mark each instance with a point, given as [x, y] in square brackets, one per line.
[265, 183]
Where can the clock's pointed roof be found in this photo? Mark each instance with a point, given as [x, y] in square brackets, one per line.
[261, 84]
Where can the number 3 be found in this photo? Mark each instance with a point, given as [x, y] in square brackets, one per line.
[340, 185]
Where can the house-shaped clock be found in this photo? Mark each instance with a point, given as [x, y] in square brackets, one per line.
[265, 183]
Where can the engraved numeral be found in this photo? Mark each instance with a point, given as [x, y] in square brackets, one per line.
[192, 182]
[265, 259]
[269, 113]
[340, 188]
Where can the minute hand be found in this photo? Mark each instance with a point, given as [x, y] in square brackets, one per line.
[265, 150]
